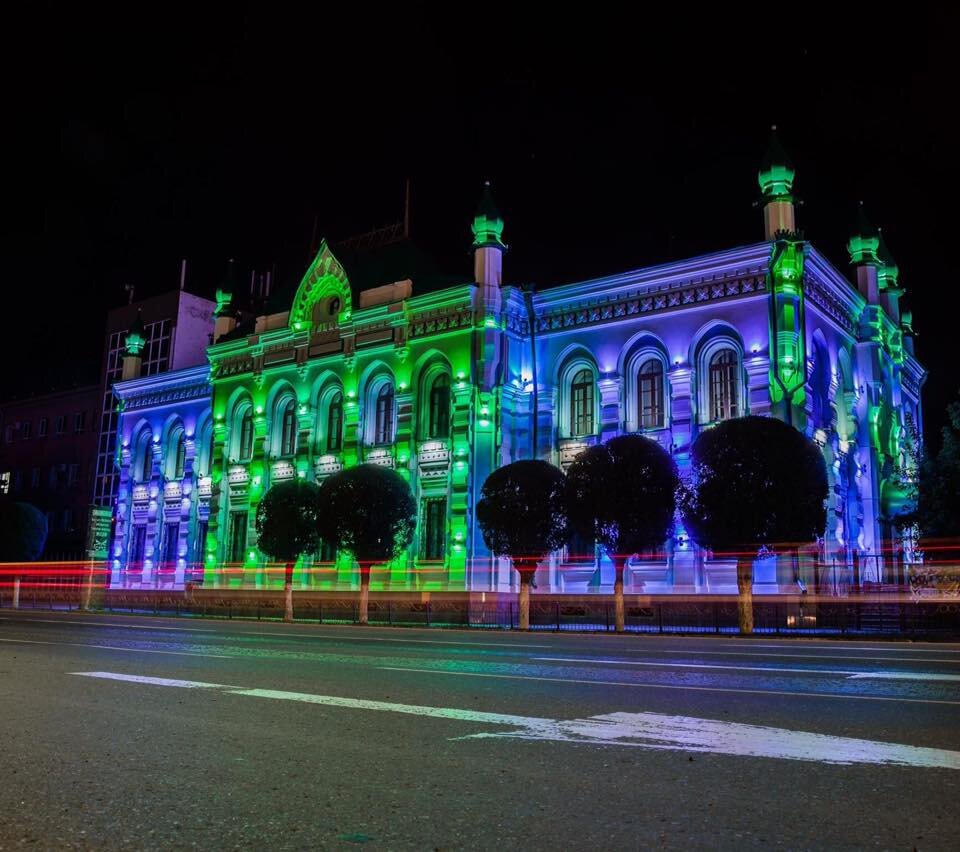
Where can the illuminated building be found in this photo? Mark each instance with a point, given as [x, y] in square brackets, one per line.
[374, 358]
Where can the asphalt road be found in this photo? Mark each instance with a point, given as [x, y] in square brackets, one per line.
[142, 733]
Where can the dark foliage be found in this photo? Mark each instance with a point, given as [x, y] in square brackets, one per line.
[521, 510]
[938, 490]
[287, 519]
[757, 481]
[369, 511]
[623, 494]
[23, 532]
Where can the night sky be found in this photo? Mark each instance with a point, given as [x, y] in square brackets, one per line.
[141, 137]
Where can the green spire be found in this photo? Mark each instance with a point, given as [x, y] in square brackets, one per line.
[488, 223]
[225, 291]
[889, 272]
[776, 171]
[863, 244]
[136, 337]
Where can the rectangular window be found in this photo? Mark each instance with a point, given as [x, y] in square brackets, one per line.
[61, 423]
[73, 474]
[200, 546]
[35, 478]
[8, 434]
[25, 429]
[138, 544]
[54, 477]
[68, 519]
[42, 428]
[433, 543]
[79, 421]
[171, 546]
[17, 480]
[5, 482]
[238, 537]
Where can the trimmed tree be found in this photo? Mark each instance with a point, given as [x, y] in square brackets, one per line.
[623, 495]
[23, 533]
[521, 515]
[369, 511]
[756, 482]
[287, 527]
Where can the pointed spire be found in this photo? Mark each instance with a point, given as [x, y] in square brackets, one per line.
[136, 336]
[776, 170]
[488, 223]
[862, 245]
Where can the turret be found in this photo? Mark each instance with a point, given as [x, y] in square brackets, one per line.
[862, 247]
[888, 273]
[776, 183]
[133, 350]
[226, 320]
[906, 328]
[488, 247]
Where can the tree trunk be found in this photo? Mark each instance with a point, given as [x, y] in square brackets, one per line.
[364, 593]
[619, 563]
[16, 592]
[288, 594]
[525, 577]
[745, 589]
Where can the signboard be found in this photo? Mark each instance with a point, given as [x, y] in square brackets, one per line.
[99, 532]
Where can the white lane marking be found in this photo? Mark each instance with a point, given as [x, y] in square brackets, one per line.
[639, 730]
[698, 651]
[116, 648]
[155, 681]
[645, 685]
[827, 644]
[847, 674]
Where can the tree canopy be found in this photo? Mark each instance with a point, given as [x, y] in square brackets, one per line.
[937, 512]
[521, 510]
[622, 494]
[368, 510]
[23, 532]
[757, 481]
[287, 519]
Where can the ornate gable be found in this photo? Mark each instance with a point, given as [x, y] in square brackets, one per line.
[325, 279]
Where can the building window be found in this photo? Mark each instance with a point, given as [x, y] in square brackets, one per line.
[246, 435]
[8, 434]
[650, 395]
[581, 404]
[434, 538]
[25, 429]
[61, 423]
[335, 423]
[238, 537]
[171, 545]
[200, 545]
[146, 460]
[383, 425]
[5, 482]
[288, 435]
[35, 478]
[42, 428]
[138, 544]
[73, 474]
[439, 420]
[181, 458]
[79, 422]
[67, 519]
[17, 480]
[723, 385]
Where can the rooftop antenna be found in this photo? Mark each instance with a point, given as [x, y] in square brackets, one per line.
[183, 273]
[129, 288]
[406, 212]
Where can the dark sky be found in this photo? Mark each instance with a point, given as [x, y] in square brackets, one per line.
[614, 142]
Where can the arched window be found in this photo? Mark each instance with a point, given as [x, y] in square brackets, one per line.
[180, 460]
[383, 422]
[650, 395]
[581, 404]
[288, 433]
[723, 385]
[246, 435]
[335, 423]
[146, 458]
[438, 424]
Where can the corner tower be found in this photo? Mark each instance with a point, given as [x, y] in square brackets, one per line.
[776, 183]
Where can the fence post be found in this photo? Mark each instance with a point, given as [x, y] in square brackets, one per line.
[320, 610]
[428, 612]
[229, 609]
[558, 615]
[660, 617]
[390, 612]
[606, 615]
